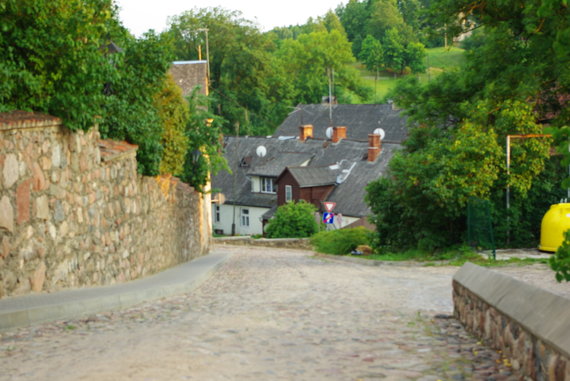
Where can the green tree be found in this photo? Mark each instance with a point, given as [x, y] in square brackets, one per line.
[174, 114]
[205, 150]
[129, 111]
[308, 60]
[372, 53]
[401, 54]
[384, 15]
[513, 83]
[353, 17]
[424, 197]
[293, 220]
[249, 86]
[50, 49]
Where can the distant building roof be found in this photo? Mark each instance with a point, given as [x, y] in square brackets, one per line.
[189, 75]
[309, 162]
[314, 176]
[360, 120]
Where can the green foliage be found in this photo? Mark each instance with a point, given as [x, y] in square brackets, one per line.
[401, 54]
[560, 262]
[307, 59]
[204, 155]
[129, 111]
[424, 198]
[56, 60]
[372, 53]
[248, 84]
[174, 115]
[511, 84]
[293, 220]
[50, 49]
[341, 241]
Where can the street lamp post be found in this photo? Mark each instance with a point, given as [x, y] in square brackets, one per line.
[205, 30]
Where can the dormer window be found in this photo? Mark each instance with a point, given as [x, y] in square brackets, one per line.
[267, 185]
[245, 162]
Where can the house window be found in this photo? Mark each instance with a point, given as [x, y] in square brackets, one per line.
[217, 213]
[267, 185]
[245, 217]
[288, 193]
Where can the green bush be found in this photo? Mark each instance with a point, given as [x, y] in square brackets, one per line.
[560, 262]
[293, 220]
[341, 241]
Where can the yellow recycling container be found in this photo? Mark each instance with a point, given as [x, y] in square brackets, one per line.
[554, 223]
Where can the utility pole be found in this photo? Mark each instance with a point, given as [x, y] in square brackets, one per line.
[205, 30]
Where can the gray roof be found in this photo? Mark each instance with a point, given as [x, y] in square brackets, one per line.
[346, 156]
[314, 176]
[190, 74]
[359, 120]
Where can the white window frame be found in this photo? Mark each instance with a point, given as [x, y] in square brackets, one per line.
[288, 193]
[267, 185]
[244, 217]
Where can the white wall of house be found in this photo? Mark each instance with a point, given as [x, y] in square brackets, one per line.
[255, 184]
[247, 219]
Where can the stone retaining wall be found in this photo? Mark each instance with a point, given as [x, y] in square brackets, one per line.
[288, 243]
[529, 325]
[74, 212]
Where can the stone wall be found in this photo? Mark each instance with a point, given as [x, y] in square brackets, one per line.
[529, 325]
[284, 243]
[74, 212]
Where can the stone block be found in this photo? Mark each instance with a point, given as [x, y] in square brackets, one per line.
[23, 192]
[11, 170]
[6, 214]
[42, 208]
[59, 214]
[5, 247]
[46, 163]
[56, 155]
[38, 278]
[39, 180]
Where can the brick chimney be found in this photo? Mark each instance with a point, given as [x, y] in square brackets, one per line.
[305, 132]
[374, 147]
[339, 133]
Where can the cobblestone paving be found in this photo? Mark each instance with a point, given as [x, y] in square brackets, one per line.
[269, 315]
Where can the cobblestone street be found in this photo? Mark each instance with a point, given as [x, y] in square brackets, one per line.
[269, 314]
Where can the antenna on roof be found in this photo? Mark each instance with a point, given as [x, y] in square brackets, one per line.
[330, 73]
[329, 132]
[261, 151]
[381, 132]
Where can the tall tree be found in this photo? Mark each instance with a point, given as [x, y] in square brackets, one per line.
[353, 17]
[372, 53]
[243, 72]
[516, 82]
[50, 49]
[308, 60]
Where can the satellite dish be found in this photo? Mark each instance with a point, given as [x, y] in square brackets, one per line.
[381, 132]
[261, 151]
[329, 132]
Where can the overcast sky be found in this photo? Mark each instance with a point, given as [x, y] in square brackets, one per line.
[141, 15]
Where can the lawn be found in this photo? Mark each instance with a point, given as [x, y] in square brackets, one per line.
[437, 61]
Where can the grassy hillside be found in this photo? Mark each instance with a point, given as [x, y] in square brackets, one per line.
[437, 61]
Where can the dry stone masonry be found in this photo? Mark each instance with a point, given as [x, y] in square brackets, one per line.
[74, 211]
[528, 324]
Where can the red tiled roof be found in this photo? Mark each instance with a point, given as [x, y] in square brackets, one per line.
[111, 149]
[17, 118]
